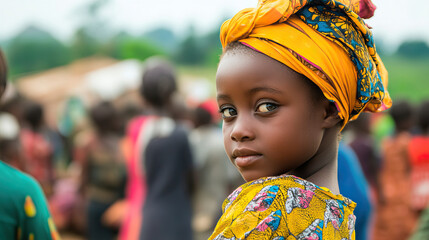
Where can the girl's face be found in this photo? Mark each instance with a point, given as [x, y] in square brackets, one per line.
[271, 125]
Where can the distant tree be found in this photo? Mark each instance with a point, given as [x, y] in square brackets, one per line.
[164, 38]
[189, 51]
[89, 39]
[212, 47]
[94, 24]
[138, 49]
[126, 46]
[413, 49]
[4, 44]
[84, 44]
[112, 47]
[33, 50]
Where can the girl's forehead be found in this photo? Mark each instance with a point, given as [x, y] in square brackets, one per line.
[255, 70]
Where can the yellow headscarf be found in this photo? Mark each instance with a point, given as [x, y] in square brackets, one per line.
[326, 41]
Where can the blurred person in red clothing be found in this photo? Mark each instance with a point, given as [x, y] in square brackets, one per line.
[419, 159]
[37, 150]
[394, 218]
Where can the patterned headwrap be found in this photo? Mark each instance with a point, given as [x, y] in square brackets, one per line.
[326, 41]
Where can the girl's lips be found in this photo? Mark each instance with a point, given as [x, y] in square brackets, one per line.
[246, 161]
[244, 157]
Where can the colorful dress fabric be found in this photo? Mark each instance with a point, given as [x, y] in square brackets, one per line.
[23, 208]
[284, 208]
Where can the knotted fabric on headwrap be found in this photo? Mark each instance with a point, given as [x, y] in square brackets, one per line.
[326, 41]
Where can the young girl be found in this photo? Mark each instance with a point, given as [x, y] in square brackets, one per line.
[292, 74]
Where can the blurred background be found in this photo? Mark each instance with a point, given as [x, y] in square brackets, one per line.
[67, 56]
[42, 35]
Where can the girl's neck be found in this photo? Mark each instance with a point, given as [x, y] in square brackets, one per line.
[322, 168]
[327, 177]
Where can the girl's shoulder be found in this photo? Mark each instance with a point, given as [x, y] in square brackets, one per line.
[284, 187]
[282, 206]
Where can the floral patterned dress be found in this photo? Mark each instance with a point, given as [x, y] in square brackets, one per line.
[285, 207]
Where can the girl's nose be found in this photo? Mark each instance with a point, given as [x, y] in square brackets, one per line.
[242, 130]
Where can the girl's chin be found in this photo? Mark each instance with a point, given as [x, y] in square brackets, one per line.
[251, 176]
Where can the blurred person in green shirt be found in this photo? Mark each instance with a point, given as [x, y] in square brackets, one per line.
[23, 210]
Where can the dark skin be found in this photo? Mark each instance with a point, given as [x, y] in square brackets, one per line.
[272, 125]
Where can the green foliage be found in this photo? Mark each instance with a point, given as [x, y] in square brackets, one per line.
[190, 50]
[84, 45]
[207, 72]
[213, 57]
[164, 38]
[35, 50]
[212, 47]
[408, 78]
[112, 47]
[414, 49]
[90, 39]
[199, 50]
[138, 49]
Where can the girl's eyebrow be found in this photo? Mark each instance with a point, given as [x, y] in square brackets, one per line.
[223, 97]
[264, 89]
[251, 92]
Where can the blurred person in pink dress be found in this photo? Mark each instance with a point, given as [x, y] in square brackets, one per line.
[136, 185]
[159, 163]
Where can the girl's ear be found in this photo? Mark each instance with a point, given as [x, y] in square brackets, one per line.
[331, 116]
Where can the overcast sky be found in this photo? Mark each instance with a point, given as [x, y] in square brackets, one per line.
[393, 22]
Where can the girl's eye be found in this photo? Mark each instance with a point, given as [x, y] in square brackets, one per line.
[266, 107]
[228, 112]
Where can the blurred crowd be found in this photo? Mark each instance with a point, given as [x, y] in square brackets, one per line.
[112, 171]
[157, 169]
[392, 150]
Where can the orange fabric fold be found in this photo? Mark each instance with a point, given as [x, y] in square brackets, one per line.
[331, 49]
